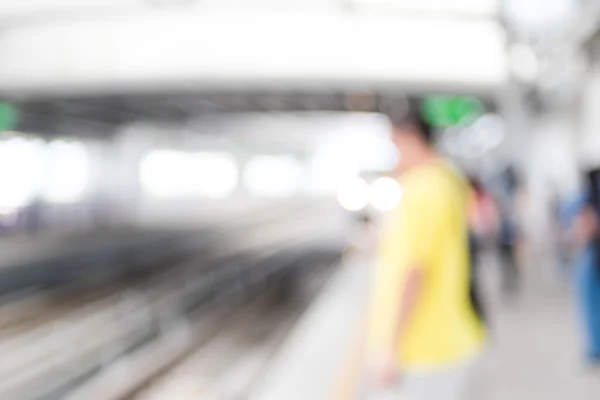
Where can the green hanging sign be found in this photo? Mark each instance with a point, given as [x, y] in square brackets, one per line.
[8, 117]
[444, 111]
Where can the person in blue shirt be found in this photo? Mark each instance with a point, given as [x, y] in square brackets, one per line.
[585, 235]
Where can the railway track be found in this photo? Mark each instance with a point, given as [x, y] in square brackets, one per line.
[230, 363]
[64, 344]
[226, 343]
[129, 336]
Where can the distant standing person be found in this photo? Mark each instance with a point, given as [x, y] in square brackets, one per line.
[585, 232]
[483, 220]
[508, 240]
[424, 334]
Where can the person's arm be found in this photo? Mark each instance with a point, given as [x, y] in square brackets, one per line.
[410, 293]
[390, 369]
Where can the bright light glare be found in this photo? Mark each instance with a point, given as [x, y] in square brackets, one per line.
[20, 172]
[331, 164]
[67, 172]
[385, 194]
[273, 176]
[214, 175]
[163, 173]
[343, 156]
[539, 16]
[172, 173]
[353, 195]
[523, 62]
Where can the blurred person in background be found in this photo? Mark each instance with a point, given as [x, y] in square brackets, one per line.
[483, 221]
[482, 216]
[523, 220]
[586, 237]
[424, 334]
[508, 237]
[562, 219]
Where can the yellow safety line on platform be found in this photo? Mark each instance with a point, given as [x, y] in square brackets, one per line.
[349, 377]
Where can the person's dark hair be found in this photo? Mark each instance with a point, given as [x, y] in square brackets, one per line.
[593, 181]
[411, 116]
[512, 179]
[476, 184]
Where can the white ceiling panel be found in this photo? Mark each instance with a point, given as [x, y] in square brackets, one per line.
[482, 8]
[27, 8]
[269, 49]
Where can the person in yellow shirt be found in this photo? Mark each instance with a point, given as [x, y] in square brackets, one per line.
[423, 332]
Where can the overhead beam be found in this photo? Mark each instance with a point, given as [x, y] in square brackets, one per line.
[175, 50]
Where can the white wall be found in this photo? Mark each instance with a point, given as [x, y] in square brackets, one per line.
[552, 167]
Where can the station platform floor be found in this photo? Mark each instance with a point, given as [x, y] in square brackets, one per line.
[534, 351]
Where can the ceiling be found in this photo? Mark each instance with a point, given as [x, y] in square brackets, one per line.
[103, 115]
[89, 67]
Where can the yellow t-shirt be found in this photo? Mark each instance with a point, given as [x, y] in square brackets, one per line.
[427, 230]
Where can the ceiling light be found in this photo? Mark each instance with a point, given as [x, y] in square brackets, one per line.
[353, 195]
[273, 176]
[67, 172]
[385, 194]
